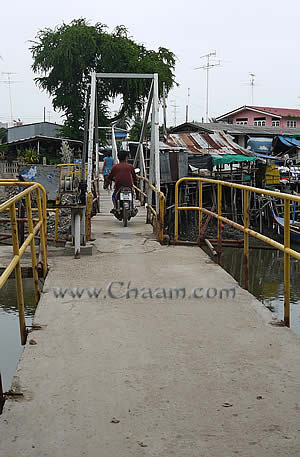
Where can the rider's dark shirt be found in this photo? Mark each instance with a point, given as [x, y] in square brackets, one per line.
[124, 175]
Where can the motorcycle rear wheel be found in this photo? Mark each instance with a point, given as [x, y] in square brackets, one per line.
[125, 217]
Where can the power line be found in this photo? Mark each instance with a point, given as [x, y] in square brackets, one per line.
[208, 66]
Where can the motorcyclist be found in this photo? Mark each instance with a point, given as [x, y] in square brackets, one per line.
[123, 174]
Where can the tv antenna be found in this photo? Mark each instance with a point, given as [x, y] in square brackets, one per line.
[252, 84]
[9, 82]
[208, 66]
[187, 108]
[175, 106]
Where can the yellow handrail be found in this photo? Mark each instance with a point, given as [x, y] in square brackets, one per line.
[245, 228]
[160, 214]
[18, 251]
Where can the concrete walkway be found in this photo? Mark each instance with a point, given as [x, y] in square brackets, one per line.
[153, 377]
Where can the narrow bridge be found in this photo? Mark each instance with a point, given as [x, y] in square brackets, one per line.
[144, 349]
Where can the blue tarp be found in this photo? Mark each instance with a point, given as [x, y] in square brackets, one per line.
[288, 141]
[265, 156]
[260, 145]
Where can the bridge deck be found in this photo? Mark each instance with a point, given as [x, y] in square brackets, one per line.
[120, 377]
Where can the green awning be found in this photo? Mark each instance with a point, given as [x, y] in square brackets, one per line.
[232, 158]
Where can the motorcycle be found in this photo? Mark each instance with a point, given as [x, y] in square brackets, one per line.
[125, 209]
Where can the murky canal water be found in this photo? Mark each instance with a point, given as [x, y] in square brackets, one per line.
[266, 278]
[10, 347]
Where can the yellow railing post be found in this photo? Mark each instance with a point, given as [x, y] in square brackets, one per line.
[287, 271]
[44, 202]
[200, 209]
[33, 252]
[219, 222]
[88, 216]
[246, 239]
[161, 216]
[176, 212]
[18, 272]
[56, 222]
[43, 241]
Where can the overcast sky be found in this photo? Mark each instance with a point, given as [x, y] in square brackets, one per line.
[259, 36]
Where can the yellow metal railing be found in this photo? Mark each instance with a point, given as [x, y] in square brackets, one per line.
[18, 251]
[159, 214]
[288, 252]
[71, 170]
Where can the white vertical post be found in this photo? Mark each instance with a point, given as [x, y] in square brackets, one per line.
[152, 154]
[91, 132]
[164, 110]
[156, 137]
[77, 235]
[114, 144]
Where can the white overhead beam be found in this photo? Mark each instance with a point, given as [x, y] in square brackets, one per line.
[124, 75]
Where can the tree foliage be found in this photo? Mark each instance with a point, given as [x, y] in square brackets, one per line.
[136, 128]
[3, 135]
[63, 58]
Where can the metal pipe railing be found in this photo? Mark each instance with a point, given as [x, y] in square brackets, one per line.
[18, 251]
[158, 213]
[288, 252]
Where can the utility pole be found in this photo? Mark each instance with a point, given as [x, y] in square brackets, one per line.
[9, 82]
[187, 106]
[208, 66]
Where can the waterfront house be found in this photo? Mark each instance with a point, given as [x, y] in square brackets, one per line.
[261, 116]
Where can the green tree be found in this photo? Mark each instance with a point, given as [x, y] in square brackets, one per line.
[3, 140]
[3, 135]
[63, 58]
[136, 128]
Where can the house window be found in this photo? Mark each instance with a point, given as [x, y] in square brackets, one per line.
[260, 123]
[241, 122]
[275, 123]
[291, 124]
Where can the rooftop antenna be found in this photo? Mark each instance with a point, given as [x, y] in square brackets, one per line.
[187, 106]
[175, 106]
[9, 82]
[252, 84]
[208, 66]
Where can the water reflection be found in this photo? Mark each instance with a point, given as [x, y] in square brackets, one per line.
[266, 273]
[10, 346]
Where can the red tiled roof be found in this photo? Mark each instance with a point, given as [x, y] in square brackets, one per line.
[278, 111]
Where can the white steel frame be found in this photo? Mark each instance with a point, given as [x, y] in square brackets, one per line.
[153, 101]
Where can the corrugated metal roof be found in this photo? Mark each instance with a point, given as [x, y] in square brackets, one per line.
[278, 111]
[216, 144]
[40, 137]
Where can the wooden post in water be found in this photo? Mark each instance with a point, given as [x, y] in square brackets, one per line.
[18, 273]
